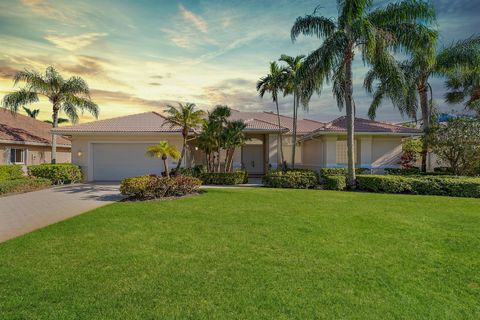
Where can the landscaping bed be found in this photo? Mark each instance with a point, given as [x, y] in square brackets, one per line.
[157, 187]
[25, 184]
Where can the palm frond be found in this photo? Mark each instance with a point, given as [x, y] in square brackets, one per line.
[13, 101]
[309, 25]
[412, 11]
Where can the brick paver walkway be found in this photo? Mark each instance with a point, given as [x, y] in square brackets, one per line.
[22, 213]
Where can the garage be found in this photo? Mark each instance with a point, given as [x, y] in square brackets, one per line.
[116, 161]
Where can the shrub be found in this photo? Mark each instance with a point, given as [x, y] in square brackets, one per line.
[23, 185]
[340, 171]
[192, 172]
[10, 172]
[384, 183]
[57, 173]
[452, 186]
[402, 171]
[297, 179]
[224, 178]
[335, 182]
[155, 187]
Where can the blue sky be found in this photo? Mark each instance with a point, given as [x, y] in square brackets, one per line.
[140, 55]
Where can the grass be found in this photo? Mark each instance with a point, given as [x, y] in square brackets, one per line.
[252, 254]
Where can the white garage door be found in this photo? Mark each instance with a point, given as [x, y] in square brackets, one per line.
[116, 161]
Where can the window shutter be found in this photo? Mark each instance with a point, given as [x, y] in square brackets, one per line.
[7, 155]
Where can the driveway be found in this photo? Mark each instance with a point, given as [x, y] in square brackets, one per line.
[22, 213]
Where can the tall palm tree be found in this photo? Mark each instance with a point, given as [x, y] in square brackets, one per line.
[67, 95]
[233, 137]
[274, 83]
[163, 150]
[456, 61]
[359, 28]
[186, 117]
[32, 113]
[293, 85]
[59, 121]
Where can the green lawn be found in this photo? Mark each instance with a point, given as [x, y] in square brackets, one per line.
[252, 254]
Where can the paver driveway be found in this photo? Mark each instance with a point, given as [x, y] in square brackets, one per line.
[26, 212]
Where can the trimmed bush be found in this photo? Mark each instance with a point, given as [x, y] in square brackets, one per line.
[156, 187]
[23, 185]
[335, 182]
[57, 173]
[297, 179]
[452, 186]
[192, 172]
[224, 178]
[10, 172]
[340, 171]
[402, 171]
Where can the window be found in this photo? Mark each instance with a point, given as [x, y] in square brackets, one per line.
[17, 155]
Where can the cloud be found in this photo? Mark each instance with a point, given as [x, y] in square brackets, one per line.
[155, 83]
[123, 98]
[197, 21]
[72, 43]
[87, 65]
[7, 72]
[180, 39]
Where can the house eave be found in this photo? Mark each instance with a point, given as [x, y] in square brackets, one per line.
[31, 143]
[364, 133]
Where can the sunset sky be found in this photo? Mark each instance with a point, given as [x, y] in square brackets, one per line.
[140, 55]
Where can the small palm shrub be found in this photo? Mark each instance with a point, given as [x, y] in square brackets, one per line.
[57, 173]
[10, 172]
[156, 187]
[296, 179]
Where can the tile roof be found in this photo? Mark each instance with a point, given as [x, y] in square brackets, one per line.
[15, 127]
[141, 122]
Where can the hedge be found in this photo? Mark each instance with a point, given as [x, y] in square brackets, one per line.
[57, 173]
[156, 187]
[335, 182]
[192, 172]
[23, 185]
[10, 172]
[452, 186]
[340, 171]
[297, 179]
[414, 172]
[224, 178]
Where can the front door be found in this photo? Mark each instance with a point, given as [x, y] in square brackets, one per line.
[252, 158]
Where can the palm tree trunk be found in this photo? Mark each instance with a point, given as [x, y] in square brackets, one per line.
[279, 133]
[422, 92]
[54, 136]
[350, 119]
[184, 149]
[165, 166]
[294, 145]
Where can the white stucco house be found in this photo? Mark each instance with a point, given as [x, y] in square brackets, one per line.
[112, 149]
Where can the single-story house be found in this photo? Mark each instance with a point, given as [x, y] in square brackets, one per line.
[27, 141]
[112, 149]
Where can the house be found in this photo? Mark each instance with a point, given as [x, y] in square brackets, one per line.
[27, 141]
[115, 148]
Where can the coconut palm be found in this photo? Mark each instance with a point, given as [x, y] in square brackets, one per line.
[233, 137]
[59, 121]
[293, 85]
[163, 150]
[359, 28]
[458, 62]
[67, 95]
[273, 83]
[186, 117]
[32, 113]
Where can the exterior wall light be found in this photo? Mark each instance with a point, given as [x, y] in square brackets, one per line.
[79, 153]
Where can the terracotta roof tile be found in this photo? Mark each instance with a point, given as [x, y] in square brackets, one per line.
[19, 128]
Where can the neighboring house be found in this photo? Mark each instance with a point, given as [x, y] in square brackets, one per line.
[27, 141]
[115, 148]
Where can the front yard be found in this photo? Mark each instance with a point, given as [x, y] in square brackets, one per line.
[252, 254]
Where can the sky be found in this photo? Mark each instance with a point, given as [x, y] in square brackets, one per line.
[141, 55]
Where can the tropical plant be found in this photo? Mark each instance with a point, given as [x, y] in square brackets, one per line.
[373, 33]
[300, 87]
[458, 144]
[233, 137]
[274, 83]
[67, 95]
[163, 150]
[186, 117]
[59, 121]
[32, 113]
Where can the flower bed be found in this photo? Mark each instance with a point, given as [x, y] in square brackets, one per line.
[23, 185]
[156, 187]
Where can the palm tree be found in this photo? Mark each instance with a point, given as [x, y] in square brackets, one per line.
[232, 138]
[68, 96]
[59, 121]
[186, 117]
[273, 83]
[163, 150]
[371, 33]
[32, 113]
[293, 85]
[456, 61]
